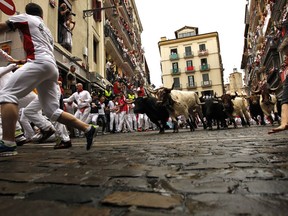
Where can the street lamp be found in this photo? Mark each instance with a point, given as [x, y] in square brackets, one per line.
[88, 13]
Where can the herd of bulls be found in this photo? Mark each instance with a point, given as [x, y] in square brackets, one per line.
[162, 103]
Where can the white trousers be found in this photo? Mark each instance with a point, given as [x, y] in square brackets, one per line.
[41, 74]
[143, 121]
[123, 118]
[113, 119]
[83, 116]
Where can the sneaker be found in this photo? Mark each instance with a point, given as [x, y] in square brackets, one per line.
[6, 151]
[20, 140]
[89, 137]
[18, 133]
[43, 135]
[63, 145]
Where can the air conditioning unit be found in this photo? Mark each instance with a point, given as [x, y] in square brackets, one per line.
[85, 51]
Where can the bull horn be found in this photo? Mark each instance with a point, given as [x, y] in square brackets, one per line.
[255, 92]
[151, 90]
[274, 89]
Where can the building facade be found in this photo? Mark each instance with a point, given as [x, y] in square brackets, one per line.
[192, 61]
[123, 44]
[265, 43]
[86, 45]
[235, 83]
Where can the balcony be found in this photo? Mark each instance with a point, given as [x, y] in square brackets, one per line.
[204, 67]
[126, 9]
[207, 83]
[203, 53]
[175, 71]
[174, 56]
[109, 33]
[178, 86]
[190, 69]
[191, 85]
[188, 55]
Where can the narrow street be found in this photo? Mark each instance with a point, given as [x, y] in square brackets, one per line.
[241, 171]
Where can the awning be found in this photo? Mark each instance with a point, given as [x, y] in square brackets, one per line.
[98, 81]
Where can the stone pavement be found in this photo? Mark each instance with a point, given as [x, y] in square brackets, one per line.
[240, 171]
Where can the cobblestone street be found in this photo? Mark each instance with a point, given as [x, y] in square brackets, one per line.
[240, 171]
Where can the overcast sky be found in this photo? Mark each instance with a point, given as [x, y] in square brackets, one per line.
[162, 18]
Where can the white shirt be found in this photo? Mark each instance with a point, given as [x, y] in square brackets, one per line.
[101, 110]
[37, 39]
[70, 108]
[82, 98]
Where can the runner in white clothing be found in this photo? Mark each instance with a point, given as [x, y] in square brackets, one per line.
[39, 72]
[83, 100]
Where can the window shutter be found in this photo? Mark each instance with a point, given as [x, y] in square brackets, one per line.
[97, 14]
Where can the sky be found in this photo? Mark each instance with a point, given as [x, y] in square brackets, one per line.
[161, 18]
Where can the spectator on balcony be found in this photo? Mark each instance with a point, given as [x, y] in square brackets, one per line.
[110, 70]
[69, 25]
[125, 51]
[62, 11]
[120, 41]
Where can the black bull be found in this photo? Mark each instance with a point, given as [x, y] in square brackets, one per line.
[155, 111]
[213, 109]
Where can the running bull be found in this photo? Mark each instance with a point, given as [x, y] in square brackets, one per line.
[177, 102]
[156, 112]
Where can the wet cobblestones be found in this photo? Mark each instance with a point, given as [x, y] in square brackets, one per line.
[240, 171]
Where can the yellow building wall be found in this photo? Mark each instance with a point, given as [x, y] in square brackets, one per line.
[213, 60]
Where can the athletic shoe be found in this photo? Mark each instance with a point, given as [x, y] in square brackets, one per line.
[18, 133]
[63, 145]
[20, 140]
[6, 151]
[89, 137]
[43, 135]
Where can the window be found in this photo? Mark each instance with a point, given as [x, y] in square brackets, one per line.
[204, 64]
[174, 54]
[173, 51]
[188, 51]
[204, 61]
[206, 81]
[175, 67]
[97, 15]
[191, 81]
[202, 47]
[187, 34]
[62, 17]
[176, 82]
[205, 77]
[95, 48]
[189, 65]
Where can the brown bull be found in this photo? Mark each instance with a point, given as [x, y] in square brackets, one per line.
[235, 106]
[268, 102]
[178, 103]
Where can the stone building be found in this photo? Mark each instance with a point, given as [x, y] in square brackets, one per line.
[265, 43]
[87, 45]
[235, 83]
[192, 61]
